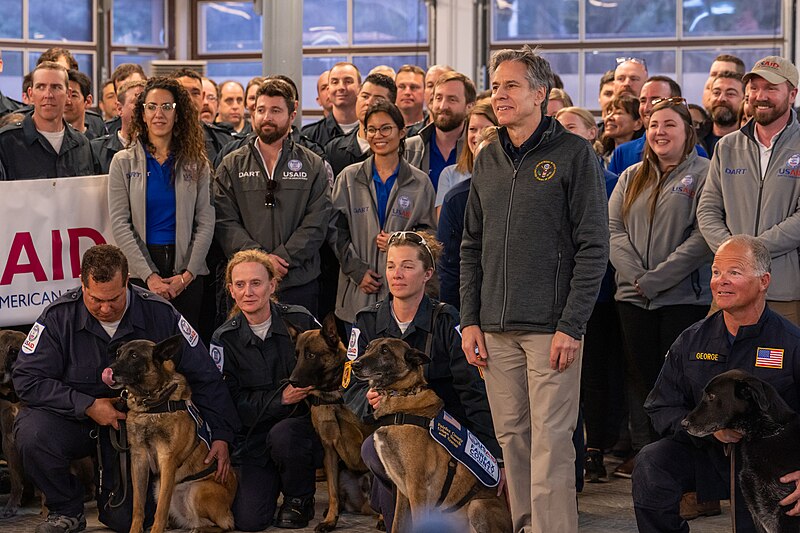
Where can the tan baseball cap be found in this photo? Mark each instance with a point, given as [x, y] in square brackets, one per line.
[774, 69]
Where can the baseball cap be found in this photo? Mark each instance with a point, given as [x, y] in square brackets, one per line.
[774, 69]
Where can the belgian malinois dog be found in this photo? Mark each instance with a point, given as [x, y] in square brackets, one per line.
[417, 464]
[167, 441]
[321, 358]
[10, 344]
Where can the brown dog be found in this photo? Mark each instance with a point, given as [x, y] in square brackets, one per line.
[416, 464]
[168, 442]
[10, 344]
[321, 357]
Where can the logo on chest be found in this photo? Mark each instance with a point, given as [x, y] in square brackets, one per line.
[544, 170]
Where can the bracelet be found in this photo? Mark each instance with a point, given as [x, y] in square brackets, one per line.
[183, 283]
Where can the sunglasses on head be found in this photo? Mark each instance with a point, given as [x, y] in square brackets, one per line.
[272, 186]
[637, 60]
[402, 237]
[672, 100]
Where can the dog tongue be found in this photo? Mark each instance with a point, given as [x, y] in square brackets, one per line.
[108, 377]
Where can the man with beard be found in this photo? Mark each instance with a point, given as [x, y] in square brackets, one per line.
[727, 94]
[752, 182]
[439, 143]
[721, 63]
[344, 83]
[630, 76]
[272, 194]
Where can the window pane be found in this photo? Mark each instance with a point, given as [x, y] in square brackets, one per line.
[597, 63]
[312, 68]
[138, 22]
[11, 78]
[390, 21]
[229, 27]
[367, 63]
[534, 19]
[565, 64]
[240, 71]
[140, 59]
[51, 21]
[631, 18]
[85, 62]
[732, 17]
[696, 64]
[325, 23]
[11, 21]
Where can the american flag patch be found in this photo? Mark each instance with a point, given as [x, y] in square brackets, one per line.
[769, 357]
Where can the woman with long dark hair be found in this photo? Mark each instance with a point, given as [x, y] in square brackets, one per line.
[159, 197]
[662, 262]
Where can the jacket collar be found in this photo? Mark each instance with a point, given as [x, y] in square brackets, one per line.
[364, 174]
[32, 134]
[385, 322]
[749, 129]
[246, 334]
[131, 321]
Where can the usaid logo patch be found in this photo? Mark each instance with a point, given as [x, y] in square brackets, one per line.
[687, 181]
[29, 344]
[404, 202]
[217, 355]
[352, 346]
[188, 332]
[295, 165]
[793, 161]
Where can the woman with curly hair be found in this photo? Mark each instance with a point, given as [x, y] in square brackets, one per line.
[159, 196]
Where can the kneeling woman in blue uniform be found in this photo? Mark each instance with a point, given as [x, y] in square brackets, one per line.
[427, 325]
[278, 449]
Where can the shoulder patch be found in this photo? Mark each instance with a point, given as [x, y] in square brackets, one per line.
[188, 331]
[217, 355]
[352, 346]
[32, 340]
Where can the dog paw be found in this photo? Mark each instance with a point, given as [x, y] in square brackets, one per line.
[381, 525]
[325, 526]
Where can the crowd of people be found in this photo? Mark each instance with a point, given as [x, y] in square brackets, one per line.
[569, 256]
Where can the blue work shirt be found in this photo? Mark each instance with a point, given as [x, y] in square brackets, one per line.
[382, 191]
[437, 162]
[160, 201]
[631, 152]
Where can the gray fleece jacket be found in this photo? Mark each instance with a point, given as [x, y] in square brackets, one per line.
[535, 244]
[737, 199]
[667, 255]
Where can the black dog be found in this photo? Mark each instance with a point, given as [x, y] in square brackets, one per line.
[769, 447]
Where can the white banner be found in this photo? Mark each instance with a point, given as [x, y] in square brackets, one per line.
[46, 227]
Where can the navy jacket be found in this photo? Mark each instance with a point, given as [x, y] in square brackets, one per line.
[59, 368]
[449, 232]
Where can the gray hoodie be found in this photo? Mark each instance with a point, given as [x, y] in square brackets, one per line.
[668, 255]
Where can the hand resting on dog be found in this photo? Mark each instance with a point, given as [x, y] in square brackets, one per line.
[104, 413]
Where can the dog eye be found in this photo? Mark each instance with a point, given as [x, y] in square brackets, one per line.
[310, 355]
[711, 397]
[134, 355]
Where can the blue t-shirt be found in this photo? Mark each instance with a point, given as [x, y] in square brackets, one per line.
[160, 202]
[382, 191]
[437, 162]
[631, 152]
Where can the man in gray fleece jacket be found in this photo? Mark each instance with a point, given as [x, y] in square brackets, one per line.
[534, 252]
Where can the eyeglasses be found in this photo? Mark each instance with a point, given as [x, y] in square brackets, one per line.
[385, 130]
[637, 60]
[270, 200]
[672, 100]
[211, 97]
[401, 237]
[167, 107]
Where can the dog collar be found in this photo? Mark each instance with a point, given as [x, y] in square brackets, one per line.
[401, 419]
[408, 392]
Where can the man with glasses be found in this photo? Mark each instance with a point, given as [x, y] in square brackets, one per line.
[353, 147]
[272, 194]
[215, 137]
[655, 89]
[42, 145]
[629, 76]
[753, 187]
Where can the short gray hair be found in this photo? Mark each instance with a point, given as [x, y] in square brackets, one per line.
[762, 261]
[539, 73]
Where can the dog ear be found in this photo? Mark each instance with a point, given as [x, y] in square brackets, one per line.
[416, 357]
[754, 391]
[166, 349]
[293, 331]
[329, 331]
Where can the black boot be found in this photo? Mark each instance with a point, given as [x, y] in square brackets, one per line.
[295, 513]
[595, 469]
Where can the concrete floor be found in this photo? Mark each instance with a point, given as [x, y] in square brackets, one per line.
[604, 508]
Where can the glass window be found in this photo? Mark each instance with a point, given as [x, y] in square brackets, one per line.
[565, 64]
[59, 22]
[732, 17]
[240, 71]
[367, 63]
[138, 22]
[390, 21]
[696, 64]
[526, 20]
[141, 59]
[325, 23]
[229, 27]
[11, 21]
[596, 64]
[85, 62]
[312, 68]
[11, 78]
[630, 19]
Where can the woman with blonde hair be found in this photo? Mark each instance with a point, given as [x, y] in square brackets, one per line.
[159, 197]
[558, 99]
[277, 449]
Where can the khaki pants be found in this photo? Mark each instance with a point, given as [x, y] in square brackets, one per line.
[535, 410]
[788, 310]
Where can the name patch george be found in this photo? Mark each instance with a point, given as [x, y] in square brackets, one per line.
[714, 357]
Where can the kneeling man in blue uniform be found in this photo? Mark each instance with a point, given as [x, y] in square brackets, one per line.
[736, 336]
[67, 408]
